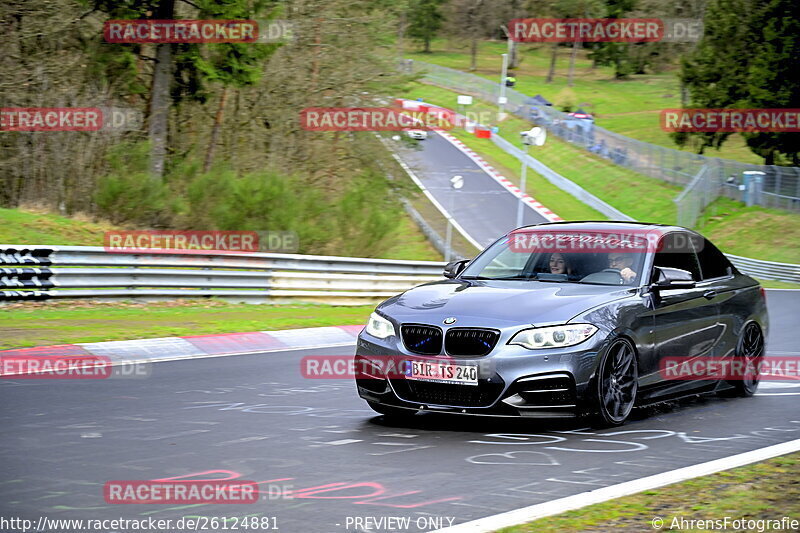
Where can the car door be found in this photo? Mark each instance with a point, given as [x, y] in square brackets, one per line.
[685, 320]
[720, 287]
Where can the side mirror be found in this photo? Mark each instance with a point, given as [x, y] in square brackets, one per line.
[672, 278]
[454, 268]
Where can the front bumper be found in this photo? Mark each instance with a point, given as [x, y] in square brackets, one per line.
[512, 381]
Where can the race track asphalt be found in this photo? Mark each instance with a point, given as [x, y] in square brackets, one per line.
[255, 417]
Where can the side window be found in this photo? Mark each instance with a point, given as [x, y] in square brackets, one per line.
[675, 251]
[713, 263]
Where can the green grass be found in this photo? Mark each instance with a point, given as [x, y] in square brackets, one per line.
[25, 226]
[410, 243]
[771, 284]
[767, 490]
[753, 231]
[747, 231]
[630, 107]
[44, 323]
[461, 246]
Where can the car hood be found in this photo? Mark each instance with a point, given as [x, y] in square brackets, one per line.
[491, 303]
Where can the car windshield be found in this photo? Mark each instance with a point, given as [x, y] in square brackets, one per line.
[561, 257]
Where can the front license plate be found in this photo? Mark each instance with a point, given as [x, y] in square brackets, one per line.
[442, 372]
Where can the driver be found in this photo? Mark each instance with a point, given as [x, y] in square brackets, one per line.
[623, 263]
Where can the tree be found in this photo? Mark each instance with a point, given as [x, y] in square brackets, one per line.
[564, 9]
[470, 20]
[773, 78]
[578, 9]
[233, 65]
[425, 21]
[716, 73]
[158, 112]
[616, 54]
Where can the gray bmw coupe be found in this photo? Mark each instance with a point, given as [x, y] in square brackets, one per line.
[564, 320]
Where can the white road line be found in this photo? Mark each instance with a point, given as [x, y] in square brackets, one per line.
[436, 204]
[534, 512]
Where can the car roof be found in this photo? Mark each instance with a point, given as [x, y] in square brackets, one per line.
[608, 225]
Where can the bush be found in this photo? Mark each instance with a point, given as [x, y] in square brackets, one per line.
[356, 219]
[567, 100]
[128, 195]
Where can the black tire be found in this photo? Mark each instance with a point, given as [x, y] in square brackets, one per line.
[617, 384]
[391, 413]
[750, 348]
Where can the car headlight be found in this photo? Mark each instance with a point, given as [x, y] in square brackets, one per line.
[379, 326]
[553, 336]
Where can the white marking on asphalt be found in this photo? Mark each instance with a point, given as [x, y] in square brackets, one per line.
[577, 501]
[515, 458]
[214, 355]
[174, 435]
[436, 203]
[343, 441]
[777, 385]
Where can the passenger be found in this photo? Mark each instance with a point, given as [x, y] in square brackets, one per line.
[559, 265]
[623, 263]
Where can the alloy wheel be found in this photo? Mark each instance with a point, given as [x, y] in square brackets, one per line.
[750, 350]
[618, 383]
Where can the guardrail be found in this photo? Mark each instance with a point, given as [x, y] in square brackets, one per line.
[44, 272]
[83, 272]
[766, 269]
[566, 185]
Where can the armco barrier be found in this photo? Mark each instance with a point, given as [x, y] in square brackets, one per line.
[43, 272]
[767, 269]
[78, 272]
[560, 181]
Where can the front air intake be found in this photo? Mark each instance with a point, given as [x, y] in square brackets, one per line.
[470, 341]
[422, 339]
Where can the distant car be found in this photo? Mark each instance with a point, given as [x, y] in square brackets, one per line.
[541, 331]
[420, 135]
